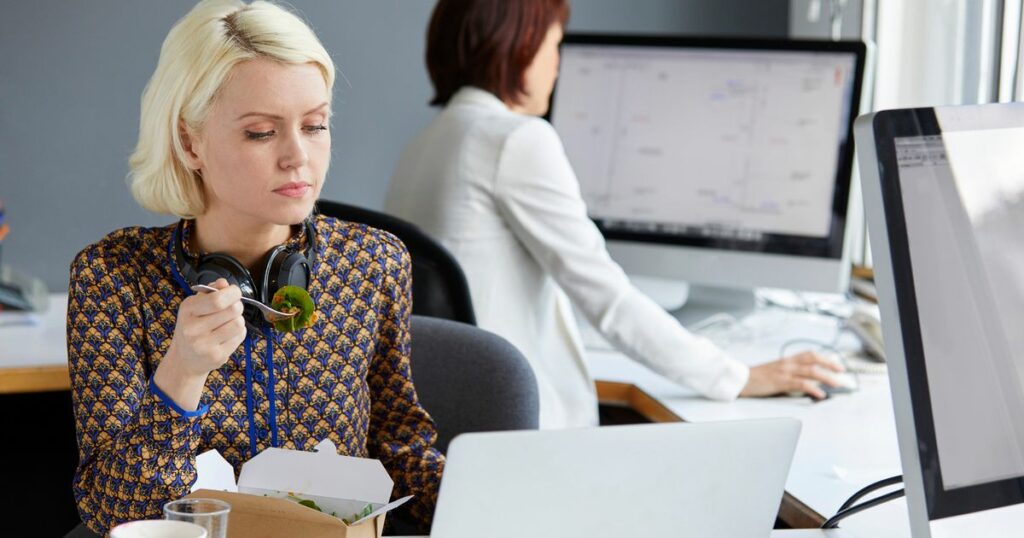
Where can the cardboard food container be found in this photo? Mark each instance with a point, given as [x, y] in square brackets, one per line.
[260, 506]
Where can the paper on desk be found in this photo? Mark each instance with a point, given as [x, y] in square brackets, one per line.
[19, 319]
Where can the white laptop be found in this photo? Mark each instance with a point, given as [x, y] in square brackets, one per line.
[720, 479]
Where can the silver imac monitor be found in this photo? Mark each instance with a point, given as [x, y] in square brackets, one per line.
[944, 193]
[722, 162]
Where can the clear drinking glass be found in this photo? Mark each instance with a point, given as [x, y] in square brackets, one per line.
[210, 514]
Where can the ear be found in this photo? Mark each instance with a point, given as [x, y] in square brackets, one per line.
[190, 141]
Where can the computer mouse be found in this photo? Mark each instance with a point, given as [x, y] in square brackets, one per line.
[831, 391]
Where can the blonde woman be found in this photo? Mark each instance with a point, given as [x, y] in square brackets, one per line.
[234, 141]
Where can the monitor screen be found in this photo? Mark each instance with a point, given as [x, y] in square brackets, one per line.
[964, 213]
[951, 193]
[734, 144]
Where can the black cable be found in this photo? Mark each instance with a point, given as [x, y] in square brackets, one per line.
[842, 512]
[833, 522]
[891, 481]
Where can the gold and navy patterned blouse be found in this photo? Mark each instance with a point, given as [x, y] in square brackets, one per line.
[346, 378]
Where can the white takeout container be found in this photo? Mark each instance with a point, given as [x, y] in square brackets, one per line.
[259, 504]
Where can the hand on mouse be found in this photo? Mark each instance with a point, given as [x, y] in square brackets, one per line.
[796, 373]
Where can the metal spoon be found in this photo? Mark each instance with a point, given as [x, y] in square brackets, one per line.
[269, 314]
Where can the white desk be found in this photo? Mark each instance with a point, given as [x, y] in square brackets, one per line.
[846, 442]
[33, 349]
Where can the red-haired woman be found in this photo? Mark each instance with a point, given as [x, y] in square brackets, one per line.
[490, 179]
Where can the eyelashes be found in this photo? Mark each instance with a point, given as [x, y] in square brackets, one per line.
[259, 135]
[265, 135]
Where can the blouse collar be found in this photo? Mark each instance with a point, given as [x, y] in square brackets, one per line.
[471, 95]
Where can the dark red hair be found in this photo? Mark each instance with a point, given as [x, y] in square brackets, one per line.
[487, 44]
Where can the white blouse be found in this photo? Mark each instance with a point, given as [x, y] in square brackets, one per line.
[496, 188]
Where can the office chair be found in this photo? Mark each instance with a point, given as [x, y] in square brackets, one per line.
[471, 380]
[439, 286]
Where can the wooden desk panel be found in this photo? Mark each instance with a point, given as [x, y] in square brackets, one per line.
[28, 379]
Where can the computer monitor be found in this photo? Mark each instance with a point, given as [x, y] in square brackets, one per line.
[722, 162]
[944, 194]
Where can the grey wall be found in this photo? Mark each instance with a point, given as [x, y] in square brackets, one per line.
[71, 74]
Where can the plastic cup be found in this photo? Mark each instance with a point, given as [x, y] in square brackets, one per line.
[210, 514]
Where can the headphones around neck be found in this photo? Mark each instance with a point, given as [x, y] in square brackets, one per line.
[283, 267]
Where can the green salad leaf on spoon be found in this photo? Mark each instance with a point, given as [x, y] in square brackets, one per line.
[291, 299]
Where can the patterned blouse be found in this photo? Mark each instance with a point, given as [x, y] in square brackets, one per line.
[346, 378]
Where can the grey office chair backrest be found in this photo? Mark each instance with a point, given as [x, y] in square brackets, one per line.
[471, 380]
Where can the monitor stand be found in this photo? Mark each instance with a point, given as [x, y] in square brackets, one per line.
[1003, 522]
[692, 304]
[706, 301]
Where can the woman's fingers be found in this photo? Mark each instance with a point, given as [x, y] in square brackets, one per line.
[808, 387]
[206, 303]
[809, 357]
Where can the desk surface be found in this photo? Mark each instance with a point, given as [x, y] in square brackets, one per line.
[33, 349]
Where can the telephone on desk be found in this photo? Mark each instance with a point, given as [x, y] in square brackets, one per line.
[21, 293]
[868, 329]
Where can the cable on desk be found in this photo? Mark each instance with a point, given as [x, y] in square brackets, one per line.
[721, 318]
[833, 522]
[723, 329]
[886, 482]
[848, 508]
[804, 305]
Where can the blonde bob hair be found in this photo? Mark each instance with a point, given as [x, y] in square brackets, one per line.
[195, 61]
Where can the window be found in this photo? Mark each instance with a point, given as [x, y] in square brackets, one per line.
[926, 53]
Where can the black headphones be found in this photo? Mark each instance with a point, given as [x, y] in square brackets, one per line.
[284, 267]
